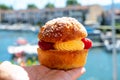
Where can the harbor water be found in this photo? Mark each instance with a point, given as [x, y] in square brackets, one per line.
[99, 64]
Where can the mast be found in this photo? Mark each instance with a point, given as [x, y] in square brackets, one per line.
[114, 53]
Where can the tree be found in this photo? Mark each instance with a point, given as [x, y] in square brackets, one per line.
[49, 5]
[31, 6]
[71, 2]
[4, 7]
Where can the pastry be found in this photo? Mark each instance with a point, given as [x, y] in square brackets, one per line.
[63, 44]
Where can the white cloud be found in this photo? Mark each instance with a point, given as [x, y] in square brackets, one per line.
[101, 2]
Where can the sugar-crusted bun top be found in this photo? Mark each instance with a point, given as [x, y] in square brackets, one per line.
[61, 30]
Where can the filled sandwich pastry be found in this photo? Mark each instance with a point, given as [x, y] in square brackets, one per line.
[63, 44]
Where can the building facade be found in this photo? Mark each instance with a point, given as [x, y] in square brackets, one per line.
[108, 18]
[35, 16]
[94, 15]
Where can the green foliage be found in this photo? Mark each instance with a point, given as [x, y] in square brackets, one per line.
[49, 5]
[4, 7]
[71, 2]
[31, 6]
[40, 23]
[28, 60]
[106, 28]
[117, 25]
[32, 61]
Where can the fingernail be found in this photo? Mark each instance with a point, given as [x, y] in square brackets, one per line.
[83, 70]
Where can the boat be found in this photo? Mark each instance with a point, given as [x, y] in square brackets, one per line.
[27, 49]
[22, 51]
[22, 46]
[94, 35]
[107, 41]
[109, 45]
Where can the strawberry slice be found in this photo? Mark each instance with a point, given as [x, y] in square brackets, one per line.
[87, 43]
[45, 45]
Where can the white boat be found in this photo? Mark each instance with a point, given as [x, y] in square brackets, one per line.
[23, 51]
[27, 49]
[109, 46]
[22, 46]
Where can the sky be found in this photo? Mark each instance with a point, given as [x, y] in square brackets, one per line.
[22, 4]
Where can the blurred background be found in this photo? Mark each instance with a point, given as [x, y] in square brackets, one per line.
[20, 21]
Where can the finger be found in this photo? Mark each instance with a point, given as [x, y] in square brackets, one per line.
[44, 67]
[76, 73]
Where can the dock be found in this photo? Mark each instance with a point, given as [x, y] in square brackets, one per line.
[98, 44]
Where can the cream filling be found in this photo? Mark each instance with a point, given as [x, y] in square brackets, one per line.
[69, 45]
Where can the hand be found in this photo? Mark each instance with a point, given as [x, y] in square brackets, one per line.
[39, 72]
[9, 71]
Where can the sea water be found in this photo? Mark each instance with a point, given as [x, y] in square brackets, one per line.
[9, 38]
[99, 64]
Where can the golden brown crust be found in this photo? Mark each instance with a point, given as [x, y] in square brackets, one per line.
[62, 29]
[62, 59]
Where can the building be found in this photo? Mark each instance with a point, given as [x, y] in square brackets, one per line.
[7, 16]
[35, 16]
[94, 16]
[117, 16]
[78, 12]
[24, 16]
[1, 11]
[108, 18]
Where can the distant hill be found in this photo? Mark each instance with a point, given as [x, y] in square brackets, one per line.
[108, 7]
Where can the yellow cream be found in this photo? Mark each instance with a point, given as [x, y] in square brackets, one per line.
[70, 45]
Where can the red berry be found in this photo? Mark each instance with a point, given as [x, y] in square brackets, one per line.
[87, 43]
[45, 45]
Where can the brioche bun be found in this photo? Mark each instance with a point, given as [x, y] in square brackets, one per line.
[55, 59]
[62, 30]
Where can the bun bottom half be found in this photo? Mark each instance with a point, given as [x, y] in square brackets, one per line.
[65, 60]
